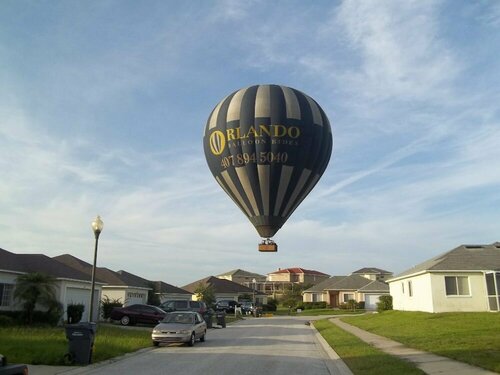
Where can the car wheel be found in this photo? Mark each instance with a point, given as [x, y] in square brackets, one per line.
[202, 338]
[156, 343]
[191, 340]
[125, 320]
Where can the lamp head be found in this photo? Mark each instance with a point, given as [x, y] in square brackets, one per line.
[97, 226]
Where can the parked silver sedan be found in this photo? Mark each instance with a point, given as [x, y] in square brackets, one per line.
[180, 326]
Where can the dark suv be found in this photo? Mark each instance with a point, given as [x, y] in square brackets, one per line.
[184, 305]
[227, 306]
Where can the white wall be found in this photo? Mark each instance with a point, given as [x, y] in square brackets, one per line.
[421, 300]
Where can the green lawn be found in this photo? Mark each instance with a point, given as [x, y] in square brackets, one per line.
[467, 337]
[360, 357]
[47, 346]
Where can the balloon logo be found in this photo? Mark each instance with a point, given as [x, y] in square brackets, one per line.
[267, 146]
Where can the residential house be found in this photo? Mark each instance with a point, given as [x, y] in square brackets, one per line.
[249, 279]
[72, 286]
[121, 286]
[169, 292]
[278, 281]
[340, 289]
[373, 273]
[466, 278]
[226, 289]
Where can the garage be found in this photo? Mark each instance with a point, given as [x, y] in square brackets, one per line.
[371, 301]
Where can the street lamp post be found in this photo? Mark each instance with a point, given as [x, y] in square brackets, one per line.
[97, 226]
[254, 302]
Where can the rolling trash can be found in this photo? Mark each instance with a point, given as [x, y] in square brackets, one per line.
[208, 318]
[221, 318]
[80, 342]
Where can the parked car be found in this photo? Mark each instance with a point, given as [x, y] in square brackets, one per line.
[247, 308]
[13, 369]
[137, 314]
[226, 305]
[180, 326]
[184, 305]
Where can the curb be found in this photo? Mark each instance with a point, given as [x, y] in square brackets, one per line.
[335, 365]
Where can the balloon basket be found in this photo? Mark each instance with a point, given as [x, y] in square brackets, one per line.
[268, 246]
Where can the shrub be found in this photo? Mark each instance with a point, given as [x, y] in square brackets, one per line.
[75, 312]
[107, 306]
[6, 321]
[385, 303]
[361, 305]
[300, 306]
[315, 305]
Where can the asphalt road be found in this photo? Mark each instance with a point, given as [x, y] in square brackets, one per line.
[254, 346]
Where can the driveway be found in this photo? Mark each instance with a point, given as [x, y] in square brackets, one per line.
[280, 345]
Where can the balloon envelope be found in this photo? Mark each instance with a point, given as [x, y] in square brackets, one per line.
[267, 146]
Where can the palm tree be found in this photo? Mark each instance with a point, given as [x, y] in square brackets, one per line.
[33, 288]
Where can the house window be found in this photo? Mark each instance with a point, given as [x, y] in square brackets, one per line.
[348, 296]
[403, 288]
[6, 294]
[410, 289]
[457, 285]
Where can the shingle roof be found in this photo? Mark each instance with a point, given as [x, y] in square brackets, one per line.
[352, 282]
[371, 270]
[219, 285]
[112, 278]
[298, 270]
[375, 286]
[165, 288]
[462, 258]
[27, 263]
[325, 284]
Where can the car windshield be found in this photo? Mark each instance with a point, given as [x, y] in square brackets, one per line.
[179, 318]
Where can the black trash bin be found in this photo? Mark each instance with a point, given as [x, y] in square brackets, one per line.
[208, 318]
[221, 318]
[81, 342]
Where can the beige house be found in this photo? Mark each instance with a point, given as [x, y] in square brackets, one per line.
[373, 273]
[226, 290]
[466, 278]
[248, 279]
[340, 289]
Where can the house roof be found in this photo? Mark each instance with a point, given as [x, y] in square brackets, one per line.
[240, 272]
[219, 285]
[351, 282]
[375, 286]
[298, 270]
[112, 278]
[371, 271]
[164, 288]
[462, 258]
[27, 263]
[325, 284]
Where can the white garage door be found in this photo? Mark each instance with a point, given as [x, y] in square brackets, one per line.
[371, 301]
[81, 296]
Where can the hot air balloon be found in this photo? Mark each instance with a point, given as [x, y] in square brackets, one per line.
[267, 146]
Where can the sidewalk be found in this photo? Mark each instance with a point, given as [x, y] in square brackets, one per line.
[427, 362]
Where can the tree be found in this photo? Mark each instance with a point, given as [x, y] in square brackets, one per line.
[292, 296]
[205, 293]
[35, 288]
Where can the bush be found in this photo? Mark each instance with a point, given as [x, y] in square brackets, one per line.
[300, 306]
[75, 312]
[314, 305]
[107, 305]
[385, 303]
[6, 321]
[361, 305]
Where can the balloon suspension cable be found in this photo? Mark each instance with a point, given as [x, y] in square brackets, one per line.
[268, 245]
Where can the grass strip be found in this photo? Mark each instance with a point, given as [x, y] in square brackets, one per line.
[472, 338]
[360, 357]
[47, 345]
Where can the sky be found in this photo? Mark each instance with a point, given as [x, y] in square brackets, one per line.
[103, 106]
